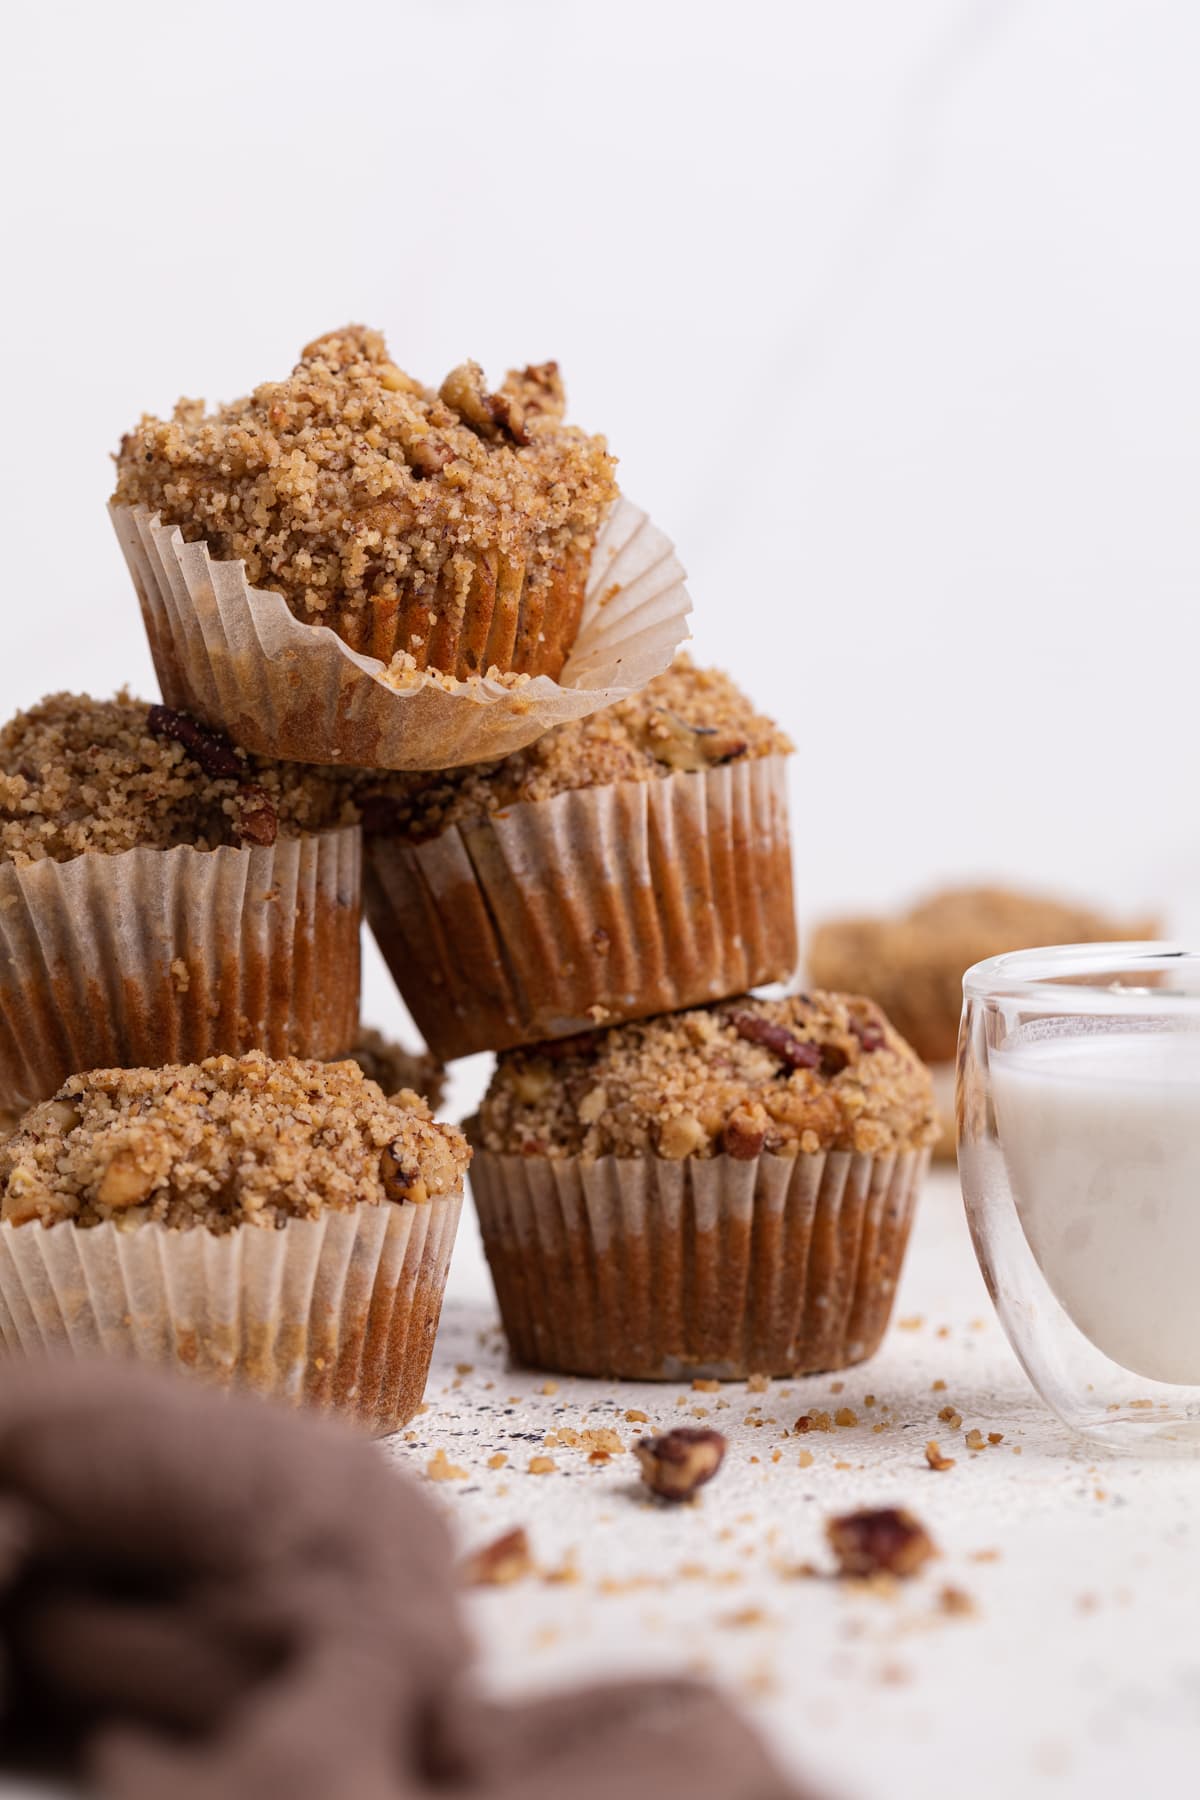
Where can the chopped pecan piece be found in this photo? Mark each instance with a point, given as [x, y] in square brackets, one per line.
[777, 1039]
[400, 1184]
[676, 1464]
[671, 740]
[255, 820]
[506, 1559]
[745, 1133]
[869, 1034]
[888, 1541]
[211, 749]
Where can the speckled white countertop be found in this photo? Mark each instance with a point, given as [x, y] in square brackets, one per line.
[1076, 1670]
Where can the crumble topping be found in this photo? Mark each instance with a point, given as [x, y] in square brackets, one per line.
[350, 485]
[806, 1073]
[913, 963]
[685, 719]
[227, 1142]
[391, 1067]
[79, 774]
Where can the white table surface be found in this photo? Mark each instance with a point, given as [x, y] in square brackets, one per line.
[1078, 1672]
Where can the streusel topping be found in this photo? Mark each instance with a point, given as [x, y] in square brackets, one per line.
[226, 1142]
[806, 1073]
[349, 483]
[685, 719]
[392, 1067]
[80, 774]
[913, 963]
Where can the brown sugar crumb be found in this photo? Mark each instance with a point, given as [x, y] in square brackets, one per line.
[824, 1072]
[505, 1560]
[975, 1440]
[950, 1417]
[995, 1437]
[814, 1421]
[684, 719]
[498, 1460]
[440, 1468]
[679, 1462]
[805, 1459]
[887, 1541]
[636, 1417]
[78, 774]
[956, 1603]
[913, 964]
[382, 507]
[934, 1457]
[227, 1142]
[542, 1465]
[939, 1386]
[845, 1415]
[397, 1070]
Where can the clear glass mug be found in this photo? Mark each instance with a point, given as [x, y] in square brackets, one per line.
[1078, 1108]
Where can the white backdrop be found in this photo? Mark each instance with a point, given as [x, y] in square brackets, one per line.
[889, 311]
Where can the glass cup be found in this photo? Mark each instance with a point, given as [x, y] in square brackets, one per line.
[1078, 1110]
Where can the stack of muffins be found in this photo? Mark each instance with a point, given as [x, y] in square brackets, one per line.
[417, 652]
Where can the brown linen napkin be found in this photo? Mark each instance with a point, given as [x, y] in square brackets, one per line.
[204, 1596]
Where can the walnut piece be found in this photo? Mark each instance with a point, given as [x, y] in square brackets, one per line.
[688, 748]
[675, 1465]
[506, 1559]
[401, 1185]
[887, 1541]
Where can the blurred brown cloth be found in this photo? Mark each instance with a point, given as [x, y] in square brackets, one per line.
[203, 1596]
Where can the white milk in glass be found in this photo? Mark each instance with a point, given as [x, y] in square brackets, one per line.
[1100, 1131]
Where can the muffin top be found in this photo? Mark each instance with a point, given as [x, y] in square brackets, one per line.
[80, 774]
[685, 719]
[226, 1142]
[809, 1072]
[913, 963]
[349, 482]
[394, 1068]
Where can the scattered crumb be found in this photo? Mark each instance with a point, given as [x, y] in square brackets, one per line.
[440, 1468]
[934, 1457]
[758, 1384]
[950, 1417]
[845, 1415]
[955, 1602]
[542, 1465]
[636, 1417]
[703, 1385]
[939, 1386]
[806, 1459]
[506, 1559]
[913, 1323]
[498, 1460]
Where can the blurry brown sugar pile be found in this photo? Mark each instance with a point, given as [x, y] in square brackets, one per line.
[450, 527]
[913, 963]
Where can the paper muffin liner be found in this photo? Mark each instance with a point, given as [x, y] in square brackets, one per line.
[598, 905]
[151, 956]
[239, 658]
[338, 1313]
[654, 1270]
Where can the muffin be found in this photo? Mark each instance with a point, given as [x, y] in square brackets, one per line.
[722, 1192]
[913, 963]
[393, 1068]
[273, 1225]
[634, 862]
[451, 529]
[165, 897]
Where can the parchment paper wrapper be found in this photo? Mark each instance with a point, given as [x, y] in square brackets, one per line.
[239, 658]
[655, 1270]
[162, 956]
[338, 1313]
[595, 906]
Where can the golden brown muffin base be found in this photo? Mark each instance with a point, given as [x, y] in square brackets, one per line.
[149, 957]
[337, 1313]
[600, 905]
[651, 1270]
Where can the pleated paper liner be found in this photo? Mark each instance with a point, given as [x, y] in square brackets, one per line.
[338, 1313]
[654, 1270]
[161, 956]
[598, 905]
[239, 658]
